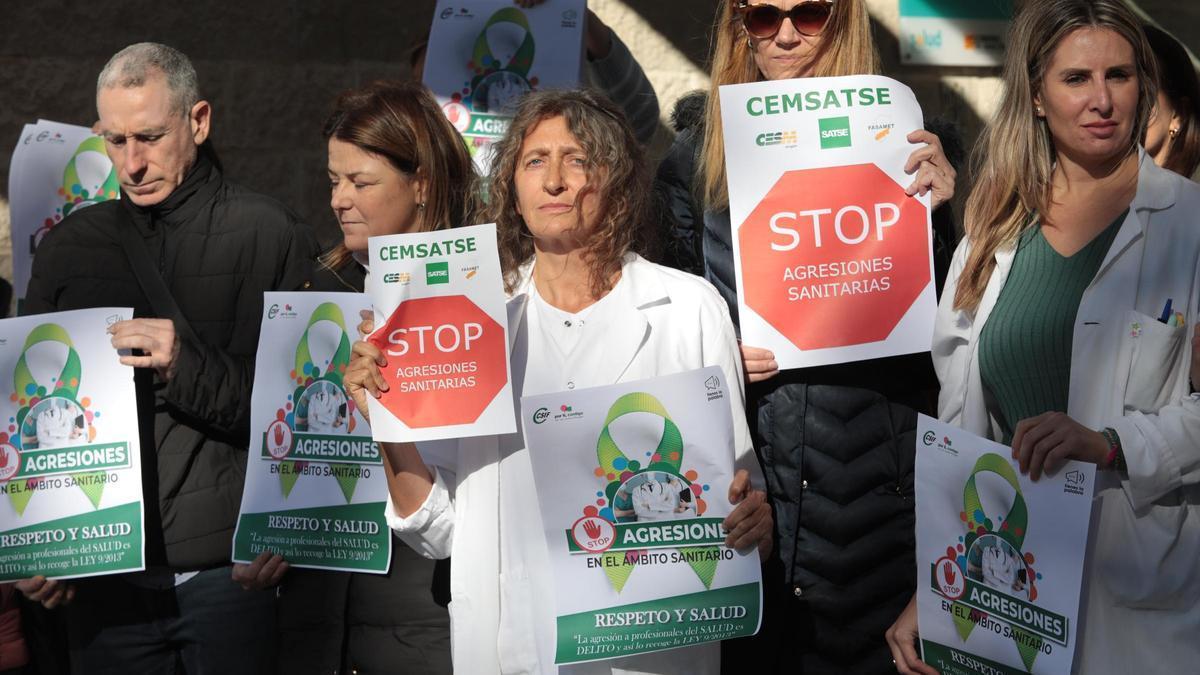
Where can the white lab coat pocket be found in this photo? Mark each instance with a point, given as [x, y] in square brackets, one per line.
[518, 630]
[1148, 561]
[1156, 367]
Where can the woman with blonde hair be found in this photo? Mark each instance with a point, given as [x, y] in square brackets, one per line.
[1096, 371]
[571, 209]
[836, 442]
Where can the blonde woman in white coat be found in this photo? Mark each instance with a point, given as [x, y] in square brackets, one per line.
[569, 196]
[1062, 182]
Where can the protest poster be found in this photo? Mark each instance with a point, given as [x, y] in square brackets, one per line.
[55, 170]
[834, 262]
[442, 325]
[632, 481]
[483, 55]
[70, 462]
[954, 32]
[315, 484]
[1000, 558]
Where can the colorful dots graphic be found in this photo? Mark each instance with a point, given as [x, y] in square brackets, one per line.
[599, 471]
[590, 511]
[620, 463]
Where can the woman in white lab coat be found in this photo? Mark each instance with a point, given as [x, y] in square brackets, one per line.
[569, 195]
[1061, 330]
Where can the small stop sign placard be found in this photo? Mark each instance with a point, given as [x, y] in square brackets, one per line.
[446, 361]
[835, 257]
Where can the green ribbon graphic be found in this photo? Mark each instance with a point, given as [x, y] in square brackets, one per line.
[519, 65]
[669, 452]
[335, 373]
[73, 186]
[65, 385]
[1013, 531]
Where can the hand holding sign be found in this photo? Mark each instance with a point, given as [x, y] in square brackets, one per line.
[934, 172]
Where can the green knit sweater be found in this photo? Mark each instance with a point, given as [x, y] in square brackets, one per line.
[1025, 347]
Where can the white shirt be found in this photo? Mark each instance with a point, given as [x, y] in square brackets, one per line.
[483, 507]
[1129, 372]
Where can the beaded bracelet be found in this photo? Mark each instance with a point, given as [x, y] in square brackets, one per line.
[1116, 455]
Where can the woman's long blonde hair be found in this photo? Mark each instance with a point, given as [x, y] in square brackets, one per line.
[1014, 157]
[846, 48]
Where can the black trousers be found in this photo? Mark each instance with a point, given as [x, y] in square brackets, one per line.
[208, 625]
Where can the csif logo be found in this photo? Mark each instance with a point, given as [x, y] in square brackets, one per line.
[929, 438]
[541, 415]
[437, 273]
[273, 312]
[835, 132]
[769, 138]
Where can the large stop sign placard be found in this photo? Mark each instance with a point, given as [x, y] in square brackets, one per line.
[445, 361]
[835, 257]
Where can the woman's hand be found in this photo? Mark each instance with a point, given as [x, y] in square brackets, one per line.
[1044, 443]
[50, 592]
[902, 640]
[934, 172]
[758, 364]
[363, 376]
[265, 572]
[750, 524]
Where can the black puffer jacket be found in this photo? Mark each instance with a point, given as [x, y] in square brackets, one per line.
[218, 246]
[837, 447]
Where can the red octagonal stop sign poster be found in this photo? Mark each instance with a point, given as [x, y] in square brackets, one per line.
[442, 325]
[834, 261]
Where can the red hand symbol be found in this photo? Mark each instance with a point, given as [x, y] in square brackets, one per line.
[591, 528]
[948, 570]
[278, 435]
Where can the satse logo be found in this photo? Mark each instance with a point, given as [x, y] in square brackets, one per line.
[835, 132]
[437, 273]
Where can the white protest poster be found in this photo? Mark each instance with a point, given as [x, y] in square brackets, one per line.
[315, 485]
[632, 481]
[70, 463]
[483, 55]
[1000, 558]
[834, 261]
[55, 170]
[442, 324]
[954, 32]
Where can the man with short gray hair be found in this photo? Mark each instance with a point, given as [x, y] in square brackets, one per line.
[192, 253]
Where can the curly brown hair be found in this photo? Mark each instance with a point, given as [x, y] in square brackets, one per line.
[616, 170]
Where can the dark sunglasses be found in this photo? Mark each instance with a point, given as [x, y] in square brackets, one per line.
[763, 21]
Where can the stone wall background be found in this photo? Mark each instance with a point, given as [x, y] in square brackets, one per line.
[272, 67]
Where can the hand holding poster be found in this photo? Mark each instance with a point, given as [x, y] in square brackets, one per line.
[70, 463]
[1000, 558]
[315, 487]
[632, 481]
[483, 55]
[834, 261]
[55, 169]
[442, 324]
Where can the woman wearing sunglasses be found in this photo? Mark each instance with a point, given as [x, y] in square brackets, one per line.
[837, 442]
